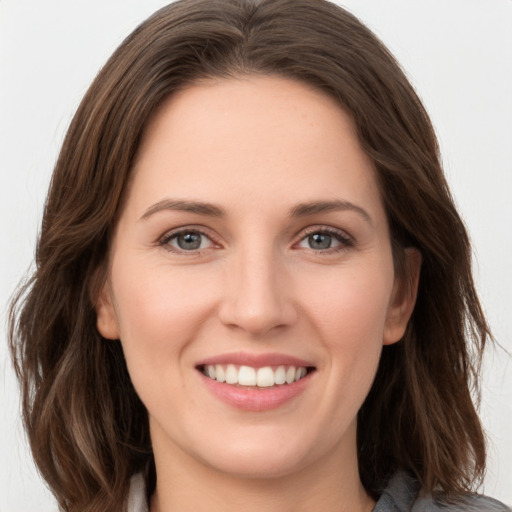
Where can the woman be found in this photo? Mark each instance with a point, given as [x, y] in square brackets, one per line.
[260, 288]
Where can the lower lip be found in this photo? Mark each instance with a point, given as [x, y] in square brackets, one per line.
[252, 399]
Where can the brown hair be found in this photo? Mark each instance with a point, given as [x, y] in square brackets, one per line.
[87, 428]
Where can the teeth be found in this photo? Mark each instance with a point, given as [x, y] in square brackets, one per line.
[262, 377]
[265, 377]
[231, 374]
[299, 373]
[247, 376]
[220, 373]
[280, 375]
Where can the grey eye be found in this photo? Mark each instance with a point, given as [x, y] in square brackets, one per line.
[189, 241]
[319, 241]
[325, 241]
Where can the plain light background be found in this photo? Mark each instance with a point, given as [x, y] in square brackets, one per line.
[458, 55]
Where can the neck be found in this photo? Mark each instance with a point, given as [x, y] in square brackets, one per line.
[330, 484]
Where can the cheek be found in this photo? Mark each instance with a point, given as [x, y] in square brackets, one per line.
[156, 296]
[160, 310]
[352, 301]
[348, 313]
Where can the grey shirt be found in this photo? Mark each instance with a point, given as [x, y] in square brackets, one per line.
[401, 495]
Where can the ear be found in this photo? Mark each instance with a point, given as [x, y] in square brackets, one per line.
[403, 298]
[106, 319]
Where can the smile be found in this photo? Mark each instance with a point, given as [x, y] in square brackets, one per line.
[249, 376]
[256, 382]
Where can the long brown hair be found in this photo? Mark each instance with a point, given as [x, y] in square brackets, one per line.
[87, 428]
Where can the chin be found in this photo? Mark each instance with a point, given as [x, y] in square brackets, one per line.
[251, 465]
[259, 455]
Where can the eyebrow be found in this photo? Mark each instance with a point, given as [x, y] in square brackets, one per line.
[212, 210]
[197, 207]
[315, 207]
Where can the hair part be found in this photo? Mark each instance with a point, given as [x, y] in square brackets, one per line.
[419, 414]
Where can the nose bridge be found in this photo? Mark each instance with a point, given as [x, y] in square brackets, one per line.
[257, 297]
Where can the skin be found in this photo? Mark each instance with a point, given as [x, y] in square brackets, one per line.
[256, 147]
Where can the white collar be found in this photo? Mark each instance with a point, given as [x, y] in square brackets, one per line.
[137, 496]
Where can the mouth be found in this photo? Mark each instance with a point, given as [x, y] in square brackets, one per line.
[256, 382]
[265, 377]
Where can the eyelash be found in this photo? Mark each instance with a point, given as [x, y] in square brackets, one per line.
[166, 239]
[344, 240]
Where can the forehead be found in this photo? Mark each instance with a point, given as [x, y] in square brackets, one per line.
[255, 137]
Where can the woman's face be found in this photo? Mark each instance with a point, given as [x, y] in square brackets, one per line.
[253, 247]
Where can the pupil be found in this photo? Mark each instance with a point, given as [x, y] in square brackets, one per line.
[320, 241]
[189, 241]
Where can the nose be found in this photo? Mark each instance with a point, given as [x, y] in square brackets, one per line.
[258, 297]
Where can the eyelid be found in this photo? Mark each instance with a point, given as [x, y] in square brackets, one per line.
[341, 235]
[170, 234]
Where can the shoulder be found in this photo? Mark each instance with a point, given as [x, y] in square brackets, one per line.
[404, 495]
[468, 503]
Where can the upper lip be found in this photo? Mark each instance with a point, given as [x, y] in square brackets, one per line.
[255, 360]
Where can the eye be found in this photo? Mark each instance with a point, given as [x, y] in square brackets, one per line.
[325, 240]
[186, 241]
